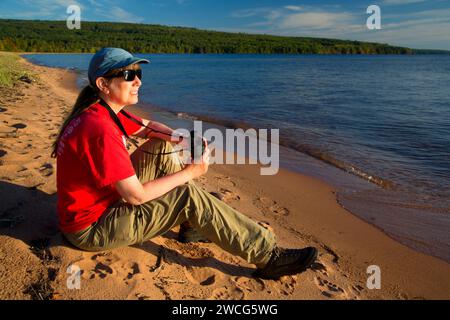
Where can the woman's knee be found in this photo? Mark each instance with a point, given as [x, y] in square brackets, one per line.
[187, 194]
[186, 189]
[156, 145]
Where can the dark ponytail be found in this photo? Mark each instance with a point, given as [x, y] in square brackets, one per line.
[87, 97]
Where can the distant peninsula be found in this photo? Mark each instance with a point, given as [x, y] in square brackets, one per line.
[55, 37]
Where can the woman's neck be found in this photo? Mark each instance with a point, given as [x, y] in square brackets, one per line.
[115, 107]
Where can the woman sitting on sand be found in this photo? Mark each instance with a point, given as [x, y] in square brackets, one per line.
[108, 199]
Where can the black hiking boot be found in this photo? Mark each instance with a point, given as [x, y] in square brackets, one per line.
[188, 234]
[287, 262]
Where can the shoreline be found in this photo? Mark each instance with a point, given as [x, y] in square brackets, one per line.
[302, 210]
[403, 210]
[308, 150]
[353, 192]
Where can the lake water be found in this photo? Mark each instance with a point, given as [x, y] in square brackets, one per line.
[376, 127]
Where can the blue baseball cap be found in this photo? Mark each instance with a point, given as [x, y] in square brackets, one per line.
[107, 59]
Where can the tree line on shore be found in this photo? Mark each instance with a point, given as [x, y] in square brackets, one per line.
[54, 36]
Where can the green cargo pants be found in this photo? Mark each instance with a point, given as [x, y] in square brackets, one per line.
[125, 224]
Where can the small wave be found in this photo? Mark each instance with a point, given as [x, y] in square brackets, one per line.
[328, 158]
[184, 115]
[232, 124]
[285, 142]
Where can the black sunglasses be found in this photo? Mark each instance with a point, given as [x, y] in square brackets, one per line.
[128, 75]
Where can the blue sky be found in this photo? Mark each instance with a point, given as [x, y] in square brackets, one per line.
[411, 23]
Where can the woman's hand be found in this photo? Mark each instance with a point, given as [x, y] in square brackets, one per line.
[184, 142]
[136, 193]
[197, 168]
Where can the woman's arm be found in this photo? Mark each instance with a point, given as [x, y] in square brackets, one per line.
[132, 191]
[147, 133]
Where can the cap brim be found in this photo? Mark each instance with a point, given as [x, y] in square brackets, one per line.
[129, 62]
[141, 60]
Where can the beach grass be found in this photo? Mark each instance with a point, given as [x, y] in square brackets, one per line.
[11, 70]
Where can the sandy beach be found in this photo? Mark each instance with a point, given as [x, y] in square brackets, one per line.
[34, 257]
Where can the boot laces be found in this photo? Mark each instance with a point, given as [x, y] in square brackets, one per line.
[284, 255]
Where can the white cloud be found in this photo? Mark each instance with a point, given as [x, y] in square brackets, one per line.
[95, 3]
[400, 2]
[433, 36]
[66, 3]
[122, 15]
[245, 13]
[273, 15]
[44, 9]
[293, 8]
[54, 5]
[421, 29]
[108, 10]
[288, 19]
[315, 20]
[434, 13]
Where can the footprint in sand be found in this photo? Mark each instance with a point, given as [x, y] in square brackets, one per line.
[329, 289]
[104, 264]
[98, 266]
[11, 134]
[197, 261]
[101, 270]
[319, 267]
[226, 195]
[141, 296]
[265, 225]
[128, 271]
[202, 275]
[356, 290]
[227, 293]
[2, 154]
[267, 205]
[279, 210]
[224, 182]
[46, 169]
[288, 285]
[331, 254]
[22, 148]
[249, 284]
[327, 262]
[22, 172]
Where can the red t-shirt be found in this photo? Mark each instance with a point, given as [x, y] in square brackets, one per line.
[91, 157]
